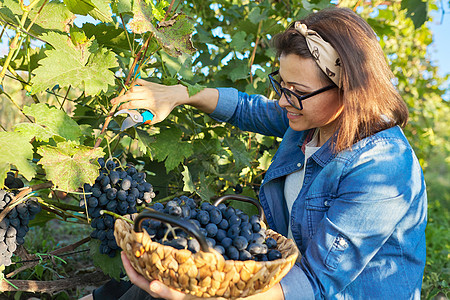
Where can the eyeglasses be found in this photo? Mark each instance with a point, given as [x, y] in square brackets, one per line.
[288, 93]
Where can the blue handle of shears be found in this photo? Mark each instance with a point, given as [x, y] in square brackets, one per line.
[147, 117]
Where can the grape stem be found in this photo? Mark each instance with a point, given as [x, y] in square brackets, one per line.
[169, 229]
[61, 212]
[2, 278]
[117, 216]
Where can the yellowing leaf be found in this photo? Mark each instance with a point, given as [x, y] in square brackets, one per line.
[69, 165]
[16, 150]
[49, 122]
[173, 35]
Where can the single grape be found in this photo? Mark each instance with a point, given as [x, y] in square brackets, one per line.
[240, 242]
[211, 229]
[232, 252]
[110, 165]
[233, 231]
[122, 195]
[215, 215]
[274, 254]
[271, 243]
[219, 249]
[203, 217]
[193, 246]
[126, 183]
[245, 255]
[227, 242]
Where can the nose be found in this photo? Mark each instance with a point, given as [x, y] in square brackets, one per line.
[283, 101]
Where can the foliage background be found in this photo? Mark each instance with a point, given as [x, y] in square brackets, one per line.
[233, 49]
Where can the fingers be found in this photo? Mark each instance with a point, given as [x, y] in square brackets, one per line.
[128, 97]
[135, 104]
[160, 290]
[134, 276]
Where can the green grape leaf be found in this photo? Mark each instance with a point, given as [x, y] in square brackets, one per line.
[69, 165]
[265, 160]
[204, 190]
[107, 35]
[110, 266]
[49, 122]
[163, 148]
[193, 89]
[54, 16]
[241, 155]
[86, 66]
[9, 9]
[416, 10]
[16, 151]
[158, 10]
[79, 7]
[102, 11]
[187, 179]
[25, 61]
[242, 71]
[144, 140]
[32, 130]
[173, 35]
[238, 41]
[255, 15]
[122, 6]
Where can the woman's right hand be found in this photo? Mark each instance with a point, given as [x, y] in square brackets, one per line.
[159, 99]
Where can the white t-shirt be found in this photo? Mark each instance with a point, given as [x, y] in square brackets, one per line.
[294, 181]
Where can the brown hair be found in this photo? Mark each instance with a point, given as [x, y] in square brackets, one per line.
[371, 102]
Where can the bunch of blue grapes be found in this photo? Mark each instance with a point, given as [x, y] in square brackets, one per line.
[14, 226]
[116, 190]
[229, 231]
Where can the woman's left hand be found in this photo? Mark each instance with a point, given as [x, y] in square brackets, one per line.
[155, 288]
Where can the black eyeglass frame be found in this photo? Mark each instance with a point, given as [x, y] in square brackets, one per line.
[277, 87]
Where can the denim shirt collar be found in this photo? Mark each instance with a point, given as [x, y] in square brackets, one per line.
[285, 162]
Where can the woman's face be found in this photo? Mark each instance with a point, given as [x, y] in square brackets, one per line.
[301, 75]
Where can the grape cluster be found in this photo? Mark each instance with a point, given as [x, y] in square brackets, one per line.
[14, 225]
[229, 231]
[116, 190]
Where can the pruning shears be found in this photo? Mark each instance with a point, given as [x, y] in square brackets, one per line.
[134, 118]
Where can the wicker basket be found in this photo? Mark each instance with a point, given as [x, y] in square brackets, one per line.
[205, 273]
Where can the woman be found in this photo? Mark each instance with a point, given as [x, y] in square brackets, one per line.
[344, 183]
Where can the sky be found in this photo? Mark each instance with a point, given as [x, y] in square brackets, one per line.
[440, 48]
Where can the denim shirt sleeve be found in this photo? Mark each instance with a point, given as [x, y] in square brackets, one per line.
[253, 113]
[296, 286]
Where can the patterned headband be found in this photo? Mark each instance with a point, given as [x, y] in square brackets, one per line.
[324, 54]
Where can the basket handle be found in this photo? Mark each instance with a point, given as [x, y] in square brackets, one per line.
[244, 199]
[187, 226]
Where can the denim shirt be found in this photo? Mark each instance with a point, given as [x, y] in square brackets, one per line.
[359, 220]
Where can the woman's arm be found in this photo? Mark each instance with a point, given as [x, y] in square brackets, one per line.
[161, 99]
